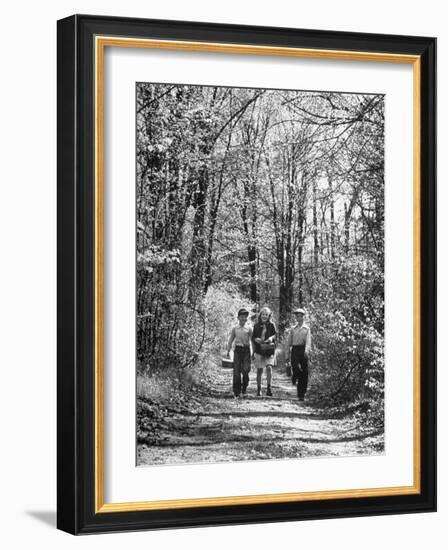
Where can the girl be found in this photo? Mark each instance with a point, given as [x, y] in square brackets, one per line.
[264, 333]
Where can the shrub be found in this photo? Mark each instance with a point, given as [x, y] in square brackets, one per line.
[221, 305]
[348, 339]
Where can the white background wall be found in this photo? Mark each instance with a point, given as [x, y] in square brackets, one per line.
[28, 272]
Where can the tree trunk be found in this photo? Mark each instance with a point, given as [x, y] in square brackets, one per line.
[332, 223]
[315, 232]
[347, 228]
[198, 249]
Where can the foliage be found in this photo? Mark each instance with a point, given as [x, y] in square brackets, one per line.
[252, 196]
[221, 305]
[347, 320]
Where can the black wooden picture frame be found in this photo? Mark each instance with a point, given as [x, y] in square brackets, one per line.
[81, 506]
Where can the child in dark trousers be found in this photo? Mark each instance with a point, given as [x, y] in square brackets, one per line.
[299, 342]
[241, 335]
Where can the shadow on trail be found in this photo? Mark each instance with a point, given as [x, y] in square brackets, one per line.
[254, 414]
[242, 438]
[358, 437]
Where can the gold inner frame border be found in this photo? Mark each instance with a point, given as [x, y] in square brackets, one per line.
[100, 43]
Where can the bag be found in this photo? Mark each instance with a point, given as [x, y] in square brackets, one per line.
[267, 348]
[226, 363]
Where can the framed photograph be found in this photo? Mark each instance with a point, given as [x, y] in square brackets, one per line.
[246, 274]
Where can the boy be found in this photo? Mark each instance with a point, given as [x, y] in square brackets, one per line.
[241, 335]
[298, 345]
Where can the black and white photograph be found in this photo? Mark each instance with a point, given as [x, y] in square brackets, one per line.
[259, 274]
[222, 238]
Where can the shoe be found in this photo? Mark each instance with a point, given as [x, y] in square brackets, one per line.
[301, 399]
[269, 392]
[259, 392]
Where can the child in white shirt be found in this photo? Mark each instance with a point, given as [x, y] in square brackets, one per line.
[240, 336]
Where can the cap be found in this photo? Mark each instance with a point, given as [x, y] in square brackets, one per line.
[243, 311]
[299, 310]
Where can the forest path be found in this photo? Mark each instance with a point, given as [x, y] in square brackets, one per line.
[219, 428]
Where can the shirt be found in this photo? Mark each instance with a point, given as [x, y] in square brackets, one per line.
[299, 336]
[241, 335]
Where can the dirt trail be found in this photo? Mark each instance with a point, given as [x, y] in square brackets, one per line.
[219, 428]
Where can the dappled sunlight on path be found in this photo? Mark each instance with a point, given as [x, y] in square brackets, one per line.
[226, 429]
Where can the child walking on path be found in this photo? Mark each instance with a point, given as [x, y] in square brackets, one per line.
[263, 337]
[298, 345]
[241, 335]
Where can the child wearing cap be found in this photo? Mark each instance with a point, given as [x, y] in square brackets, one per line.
[298, 344]
[240, 336]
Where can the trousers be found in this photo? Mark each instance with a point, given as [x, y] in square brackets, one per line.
[299, 364]
[241, 368]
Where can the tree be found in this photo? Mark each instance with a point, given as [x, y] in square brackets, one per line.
[260, 196]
